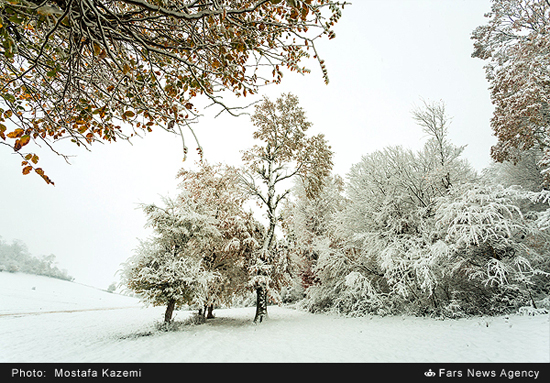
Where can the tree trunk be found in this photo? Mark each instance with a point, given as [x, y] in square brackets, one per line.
[210, 314]
[169, 311]
[261, 304]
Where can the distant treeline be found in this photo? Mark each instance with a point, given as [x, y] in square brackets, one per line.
[16, 257]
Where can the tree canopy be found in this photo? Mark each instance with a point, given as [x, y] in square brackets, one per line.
[515, 43]
[102, 70]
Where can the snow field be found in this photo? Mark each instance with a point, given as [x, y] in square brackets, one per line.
[25, 293]
[131, 334]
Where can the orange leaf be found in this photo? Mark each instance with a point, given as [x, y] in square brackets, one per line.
[16, 133]
[27, 169]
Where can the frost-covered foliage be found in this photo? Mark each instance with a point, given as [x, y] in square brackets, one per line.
[16, 257]
[216, 191]
[495, 246]
[526, 172]
[202, 245]
[306, 220]
[421, 234]
[284, 152]
[515, 43]
[160, 276]
[162, 270]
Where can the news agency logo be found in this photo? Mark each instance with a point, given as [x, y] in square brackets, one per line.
[429, 373]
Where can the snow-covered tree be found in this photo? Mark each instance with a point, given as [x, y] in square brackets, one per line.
[285, 152]
[389, 252]
[526, 172]
[515, 42]
[470, 250]
[490, 241]
[16, 257]
[162, 270]
[216, 191]
[203, 244]
[163, 277]
[440, 159]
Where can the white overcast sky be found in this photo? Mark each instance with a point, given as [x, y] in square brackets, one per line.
[387, 56]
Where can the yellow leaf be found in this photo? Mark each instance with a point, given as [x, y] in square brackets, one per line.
[16, 133]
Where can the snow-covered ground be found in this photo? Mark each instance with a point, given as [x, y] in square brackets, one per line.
[49, 320]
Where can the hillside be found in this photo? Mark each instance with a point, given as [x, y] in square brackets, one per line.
[28, 293]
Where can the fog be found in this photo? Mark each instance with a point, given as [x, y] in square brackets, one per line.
[386, 58]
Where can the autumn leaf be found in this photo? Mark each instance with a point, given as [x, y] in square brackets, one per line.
[117, 71]
[24, 140]
[27, 169]
[97, 49]
[40, 172]
[16, 133]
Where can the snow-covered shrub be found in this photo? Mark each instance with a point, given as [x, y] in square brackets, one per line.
[494, 244]
[421, 234]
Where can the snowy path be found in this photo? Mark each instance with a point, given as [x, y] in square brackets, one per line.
[60, 311]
